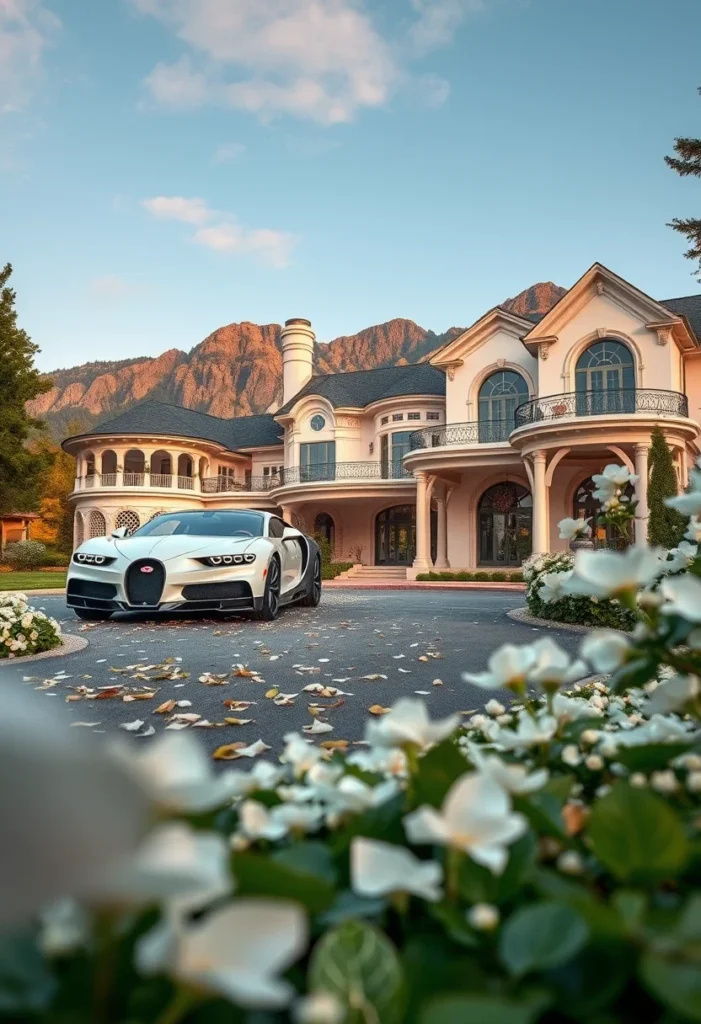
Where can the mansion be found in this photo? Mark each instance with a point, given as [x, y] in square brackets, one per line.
[466, 460]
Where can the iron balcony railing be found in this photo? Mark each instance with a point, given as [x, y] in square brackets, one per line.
[228, 485]
[478, 432]
[616, 402]
[331, 471]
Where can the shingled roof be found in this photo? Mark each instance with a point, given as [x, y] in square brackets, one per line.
[363, 387]
[688, 306]
[160, 418]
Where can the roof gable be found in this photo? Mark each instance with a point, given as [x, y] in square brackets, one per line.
[361, 388]
[454, 352]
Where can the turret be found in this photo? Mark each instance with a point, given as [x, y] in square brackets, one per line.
[297, 356]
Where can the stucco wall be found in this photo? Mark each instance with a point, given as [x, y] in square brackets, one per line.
[500, 350]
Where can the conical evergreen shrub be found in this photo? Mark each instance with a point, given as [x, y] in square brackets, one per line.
[666, 526]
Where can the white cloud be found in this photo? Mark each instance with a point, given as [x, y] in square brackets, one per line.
[26, 29]
[272, 248]
[111, 288]
[189, 211]
[439, 20]
[228, 152]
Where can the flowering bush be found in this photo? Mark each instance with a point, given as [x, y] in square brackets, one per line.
[546, 579]
[24, 630]
[540, 861]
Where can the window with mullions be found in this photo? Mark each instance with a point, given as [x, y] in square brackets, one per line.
[605, 379]
[499, 397]
[393, 469]
[317, 461]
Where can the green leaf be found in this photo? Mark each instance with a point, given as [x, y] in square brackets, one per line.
[676, 984]
[348, 905]
[651, 758]
[310, 858]
[454, 922]
[26, 983]
[479, 885]
[540, 936]
[359, 965]
[437, 772]
[631, 907]
[689, 926]
[477, 1010]
[636, 835]
[260, 875]
[544, 808]
[593, 979]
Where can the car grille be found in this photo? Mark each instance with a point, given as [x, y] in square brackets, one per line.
[144, 589]
[216, 591]
[91, 588]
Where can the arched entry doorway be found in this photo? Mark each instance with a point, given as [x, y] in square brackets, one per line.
[325, 528]
[586, 506]
[395, 535]
[505, 525]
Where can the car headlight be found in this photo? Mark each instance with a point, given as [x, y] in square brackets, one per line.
[217, 561]
[83, 558]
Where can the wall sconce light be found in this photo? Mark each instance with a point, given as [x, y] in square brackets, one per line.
[371, 446]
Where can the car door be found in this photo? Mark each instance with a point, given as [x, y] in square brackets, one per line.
[291, 554]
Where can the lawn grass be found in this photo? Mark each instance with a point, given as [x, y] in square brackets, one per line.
[38, 580]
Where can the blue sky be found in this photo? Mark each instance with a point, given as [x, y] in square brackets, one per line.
[168, 166]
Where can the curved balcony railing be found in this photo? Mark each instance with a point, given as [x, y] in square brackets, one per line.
[330, 471]
[482, 432]
[228, 485]
[614, 402]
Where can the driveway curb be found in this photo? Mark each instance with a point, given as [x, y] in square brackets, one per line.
[524, 616]
[69, 645]
[413, 585]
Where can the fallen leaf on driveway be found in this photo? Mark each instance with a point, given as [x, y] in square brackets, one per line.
[238, 705]
[178, 725]
[188, 716]
[317, 727]
[239, 721]
[335, 744]
[209, 679]
[244, 671]
[272, 692]
[437, 682]
[405, 671]
[128, 697]
[87, 725]
[228, 752]
[132, 726]
[166, 707]
[423, 657]
[423, 693]
[375, 675]
[377, 709]
[109, 691]
[254, 749]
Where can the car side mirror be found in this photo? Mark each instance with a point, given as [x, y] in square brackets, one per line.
[290, 533]
[121, 533]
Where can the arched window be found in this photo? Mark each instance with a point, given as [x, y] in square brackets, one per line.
[89, 469]
[161, 469]
[127, 518]
[134, 468]
[505, 525]
[499, 397]
[185, 481]
[605, 379]
[109, 469]
[97, 524]
[325, 528]
[586, 506]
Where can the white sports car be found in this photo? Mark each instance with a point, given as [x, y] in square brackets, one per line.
[224, 560]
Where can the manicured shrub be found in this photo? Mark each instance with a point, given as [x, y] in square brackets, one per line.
[330, 570]
[25, 554]
[666, 525]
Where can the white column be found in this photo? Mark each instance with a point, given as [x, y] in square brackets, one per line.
[442, 535]
[423, 522]
[641, 512]
[540, 505]
[120, 453]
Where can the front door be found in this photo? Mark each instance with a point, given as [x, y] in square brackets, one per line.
[505, 538]
[395, 536]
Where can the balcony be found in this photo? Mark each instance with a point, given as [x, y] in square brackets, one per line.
[477, 432]
[228, 485]
[159, 480]
[341, 471]
[614, 402]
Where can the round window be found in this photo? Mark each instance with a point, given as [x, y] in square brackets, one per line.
[318, 423]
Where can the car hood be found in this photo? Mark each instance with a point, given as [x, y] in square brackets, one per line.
[165, 548]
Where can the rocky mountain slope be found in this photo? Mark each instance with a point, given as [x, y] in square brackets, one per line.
[237, 370]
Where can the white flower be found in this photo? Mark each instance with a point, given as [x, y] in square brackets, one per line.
[65, 807]
[64, 928]
[553, 667]
[353, 794]
[319, 1008]
[594, 763]
[262, 775]
[664, 781]
[378, 869]
[513, 778]
[638, 779]
[693, 782]
[571, 755]
[613, 479]
[569, 709]
[508, 668]
[551, 586]
[408, 723]
[673, 694]
[493, 707]
[688, 504]
[476, 817]
[607, 574]
[300, 754]
[681, 557]
[256, 822]
[605, 650]
[384, 760]
[573, 529]
[590, 736]
[682, 596]
[296, 817]
[483, 917]
[529, 732]
[693, 532]
[237, 952]
[570, 863]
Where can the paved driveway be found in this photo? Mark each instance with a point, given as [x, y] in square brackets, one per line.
[353, 634]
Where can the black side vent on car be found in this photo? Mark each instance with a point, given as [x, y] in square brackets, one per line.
[216, 591]
[144, 582]
[91, 588]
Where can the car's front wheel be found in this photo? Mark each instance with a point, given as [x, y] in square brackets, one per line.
[313, 595]
[271, 597]
[92, 615]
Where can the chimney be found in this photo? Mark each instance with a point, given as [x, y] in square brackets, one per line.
[297, 356]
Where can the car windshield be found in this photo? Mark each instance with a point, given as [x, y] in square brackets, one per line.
[203, 524]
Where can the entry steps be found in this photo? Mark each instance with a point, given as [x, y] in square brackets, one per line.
[374, 573]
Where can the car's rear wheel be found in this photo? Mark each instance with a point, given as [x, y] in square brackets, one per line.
[92, 615]
[271, 596]
[313, 595]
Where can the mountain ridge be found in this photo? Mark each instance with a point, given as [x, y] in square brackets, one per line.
[237, 369]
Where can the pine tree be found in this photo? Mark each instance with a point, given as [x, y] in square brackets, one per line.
[665, 526]
[688, 161]
[20, 381]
